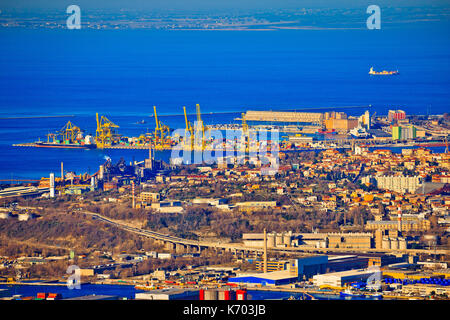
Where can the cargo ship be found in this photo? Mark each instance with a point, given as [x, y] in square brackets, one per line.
[382, 73]
[41, 144]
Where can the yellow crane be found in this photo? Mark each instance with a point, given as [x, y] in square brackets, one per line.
[188, 134]
[51, 138]
[106, 131]
[162, 132]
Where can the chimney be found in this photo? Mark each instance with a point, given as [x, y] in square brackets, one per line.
[399, 224]
[132, 195]
[148, 163]
[265, 251]
[62, 175]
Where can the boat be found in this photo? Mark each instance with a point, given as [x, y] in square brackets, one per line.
[377, 295]
[349, 293]
[41, 144]
[382, 73]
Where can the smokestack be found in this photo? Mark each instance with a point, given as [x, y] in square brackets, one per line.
[265, 251]
[62, 175]
[101, 172]
[399, 224]
[132, 194]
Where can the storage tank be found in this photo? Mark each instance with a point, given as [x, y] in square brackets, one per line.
[211, 295]
[402, 244]
[279, 239]
[385, 244]
[271, 240]
[287, 239]
[226, 294]
[394, 243]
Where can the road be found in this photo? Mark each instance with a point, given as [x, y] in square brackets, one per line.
[238, 247]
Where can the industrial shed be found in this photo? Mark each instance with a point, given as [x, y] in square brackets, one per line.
[270, 278]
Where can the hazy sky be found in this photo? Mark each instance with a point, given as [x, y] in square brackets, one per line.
[192, 5]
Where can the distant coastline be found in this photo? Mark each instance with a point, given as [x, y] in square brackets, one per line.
[38, 117]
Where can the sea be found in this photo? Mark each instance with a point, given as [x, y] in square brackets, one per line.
[51, 76]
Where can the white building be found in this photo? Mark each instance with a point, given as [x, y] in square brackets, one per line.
[341, 279]
[400, 184]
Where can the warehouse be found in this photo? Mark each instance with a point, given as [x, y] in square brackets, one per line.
[280, 118]
[274, 278]
[343, 278]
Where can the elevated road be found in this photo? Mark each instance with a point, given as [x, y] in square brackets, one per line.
[238, 247]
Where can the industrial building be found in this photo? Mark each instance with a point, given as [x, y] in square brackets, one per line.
[273, 278]
[404, 132]
[343, 278]
[305, 268]
[394, 115]
[276, 265]
[280, 118]
[316, 240]
[340, 125]
[295, 270]
[255, 205]
[168, 206]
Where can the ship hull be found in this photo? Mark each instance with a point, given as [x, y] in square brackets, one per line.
[64, 146]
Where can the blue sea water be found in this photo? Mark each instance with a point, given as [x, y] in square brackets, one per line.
[123, 73]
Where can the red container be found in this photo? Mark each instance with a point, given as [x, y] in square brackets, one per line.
[54, 296]
[42, 295]
[229, 295]
[241, 294]
[202, 294]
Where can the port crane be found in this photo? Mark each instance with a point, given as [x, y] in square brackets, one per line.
[51, 138]
[70, 132]
[199, 132]
[162, 133]
[188, 133]
[106, 131]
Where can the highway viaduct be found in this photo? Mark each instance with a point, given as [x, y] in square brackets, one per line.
[180, 245]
